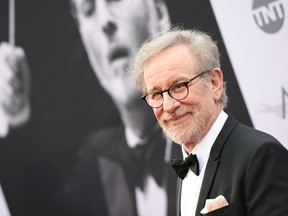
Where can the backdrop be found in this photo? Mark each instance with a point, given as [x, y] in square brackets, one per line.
[37, 159]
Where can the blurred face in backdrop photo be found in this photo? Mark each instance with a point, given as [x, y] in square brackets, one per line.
[112, 31]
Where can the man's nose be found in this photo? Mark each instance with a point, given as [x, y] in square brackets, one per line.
[169, 103]
[106, 19]
[109, 28]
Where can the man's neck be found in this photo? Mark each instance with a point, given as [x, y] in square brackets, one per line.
[139, 120]
[188, 147]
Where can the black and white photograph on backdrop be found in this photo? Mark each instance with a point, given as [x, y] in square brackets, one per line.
[80, 132]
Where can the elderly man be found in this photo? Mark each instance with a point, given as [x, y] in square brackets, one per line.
[229, 168]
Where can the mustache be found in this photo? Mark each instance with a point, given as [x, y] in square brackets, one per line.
[118, 52]
[178, 112]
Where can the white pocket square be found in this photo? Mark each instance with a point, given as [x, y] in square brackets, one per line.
[213, 204]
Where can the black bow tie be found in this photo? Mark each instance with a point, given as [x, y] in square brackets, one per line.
[181, 166]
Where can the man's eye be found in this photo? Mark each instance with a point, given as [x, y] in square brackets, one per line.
[88, 8]
[155, 96]
[178, 87]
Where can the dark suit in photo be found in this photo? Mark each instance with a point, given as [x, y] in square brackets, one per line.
[108, 172]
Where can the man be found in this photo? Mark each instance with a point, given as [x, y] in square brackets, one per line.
[237, 170]
[121, 171]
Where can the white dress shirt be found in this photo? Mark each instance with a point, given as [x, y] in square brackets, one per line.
[4, 210]
[153, 199]
[191, 184]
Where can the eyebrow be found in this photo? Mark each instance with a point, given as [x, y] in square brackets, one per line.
[175, 82]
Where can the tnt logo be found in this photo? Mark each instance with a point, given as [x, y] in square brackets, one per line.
[269, 15]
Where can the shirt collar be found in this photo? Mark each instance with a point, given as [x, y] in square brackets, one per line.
[202, 149]
[133, 140]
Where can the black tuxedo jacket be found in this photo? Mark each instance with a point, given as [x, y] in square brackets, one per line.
[105, 180]
[250, 169]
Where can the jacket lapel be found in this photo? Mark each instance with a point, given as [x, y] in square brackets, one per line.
[213, 162]
[178, 197]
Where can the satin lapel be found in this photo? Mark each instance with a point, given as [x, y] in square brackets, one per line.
[173, 182]
[178, 197]
[113, 163]
[115, 187]
[213, 162]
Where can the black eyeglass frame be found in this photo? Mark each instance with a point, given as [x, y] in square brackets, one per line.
[173, 86]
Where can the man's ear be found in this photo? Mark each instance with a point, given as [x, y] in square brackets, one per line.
[217, 83]
[162, 14]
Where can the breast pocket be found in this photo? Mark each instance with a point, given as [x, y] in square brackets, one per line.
[224, 211]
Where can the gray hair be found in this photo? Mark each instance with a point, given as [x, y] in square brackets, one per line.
[200, 44]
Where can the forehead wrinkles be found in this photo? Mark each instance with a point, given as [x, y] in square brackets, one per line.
[166, 76]
[168, 67]
[153, 80]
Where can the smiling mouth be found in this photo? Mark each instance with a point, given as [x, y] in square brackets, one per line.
[174, 118]
[118, 53]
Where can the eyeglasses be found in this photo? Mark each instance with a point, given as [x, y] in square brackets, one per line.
[178, 91]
